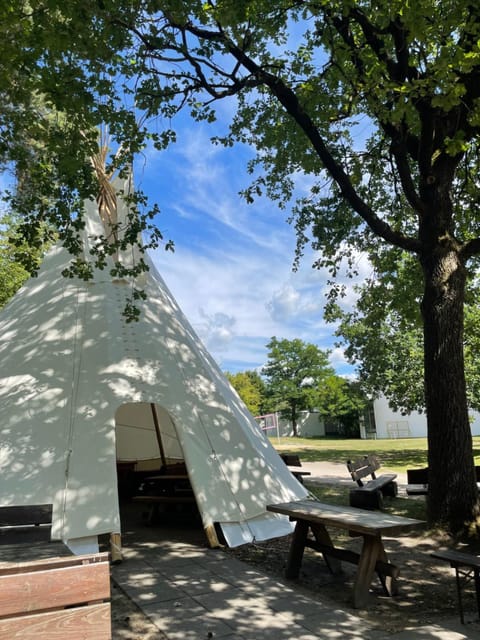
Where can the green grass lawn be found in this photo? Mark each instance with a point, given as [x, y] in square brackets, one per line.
[337, 494]
[397, 455]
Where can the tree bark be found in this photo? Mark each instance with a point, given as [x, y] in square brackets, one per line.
[453, 496]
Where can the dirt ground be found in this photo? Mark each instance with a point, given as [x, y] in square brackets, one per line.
[128, 622]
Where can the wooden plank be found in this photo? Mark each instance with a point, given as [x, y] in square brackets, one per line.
[381, 567]
[25, 535]
[458, 558]
[349, 518]
[378, 483]
[78, 623]
[297, 547]
[116, 547]
[363, 467]
[161, 478]
[324, 544]
[166, 499]
[53, 588]
[388, 580]
[366, 568]
[26, 514]
[27, 558]
[417, 476]
[291, 459]
[417, 489]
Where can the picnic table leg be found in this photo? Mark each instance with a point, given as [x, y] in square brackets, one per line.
[389, 583]
[297, 548]
[321, 535]
[372, 546]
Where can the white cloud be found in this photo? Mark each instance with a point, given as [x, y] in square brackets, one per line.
[231, 272]
[284, 303]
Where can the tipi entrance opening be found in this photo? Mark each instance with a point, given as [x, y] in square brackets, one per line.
[146, 437]
[153, 480]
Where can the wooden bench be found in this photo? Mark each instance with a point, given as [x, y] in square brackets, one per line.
[417, 481]
[45, 591]
[25, 524]
[293, 460]
[56, 598]
[369, 494]
[467, 566]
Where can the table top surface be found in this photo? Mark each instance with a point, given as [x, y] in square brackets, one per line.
[342, 517]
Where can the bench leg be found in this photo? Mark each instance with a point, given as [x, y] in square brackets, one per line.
[297, 548]
[459, 594]
[458, 580]
[371, 550]
[477, 588]
[323, 537]
[389, 583]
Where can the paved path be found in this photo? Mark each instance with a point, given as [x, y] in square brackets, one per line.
[191, 592]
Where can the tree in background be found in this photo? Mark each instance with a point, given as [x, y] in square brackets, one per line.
[382, 335]
[12, 274]
[15, 252]
[251, 388]
[342, 402]
[293, 372]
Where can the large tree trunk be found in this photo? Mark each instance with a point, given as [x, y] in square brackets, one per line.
[453, 496]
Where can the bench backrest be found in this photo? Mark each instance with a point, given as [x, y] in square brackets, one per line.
[25, 523]
[291, 459]
[67, 597]
[362, 467]
[417, 476]
[420, 476]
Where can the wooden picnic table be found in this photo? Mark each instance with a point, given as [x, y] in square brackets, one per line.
[315, 516]
[164, 489]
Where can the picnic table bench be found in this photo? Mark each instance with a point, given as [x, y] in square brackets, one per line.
[467, 566]
[417, 481]
[293, 462]
[369, 494]
[313, 516]
[45, 591]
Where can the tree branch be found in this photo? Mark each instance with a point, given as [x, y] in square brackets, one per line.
[291, 104]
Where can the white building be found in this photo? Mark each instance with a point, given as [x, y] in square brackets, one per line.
[388, 423]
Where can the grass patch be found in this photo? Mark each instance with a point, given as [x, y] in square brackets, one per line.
[339, 495]
[397, 455]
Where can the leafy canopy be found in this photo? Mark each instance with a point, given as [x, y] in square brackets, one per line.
[251, 388]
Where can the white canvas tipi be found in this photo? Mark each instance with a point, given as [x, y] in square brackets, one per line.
[77, 387]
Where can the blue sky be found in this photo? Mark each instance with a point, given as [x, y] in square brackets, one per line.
[231, 272]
